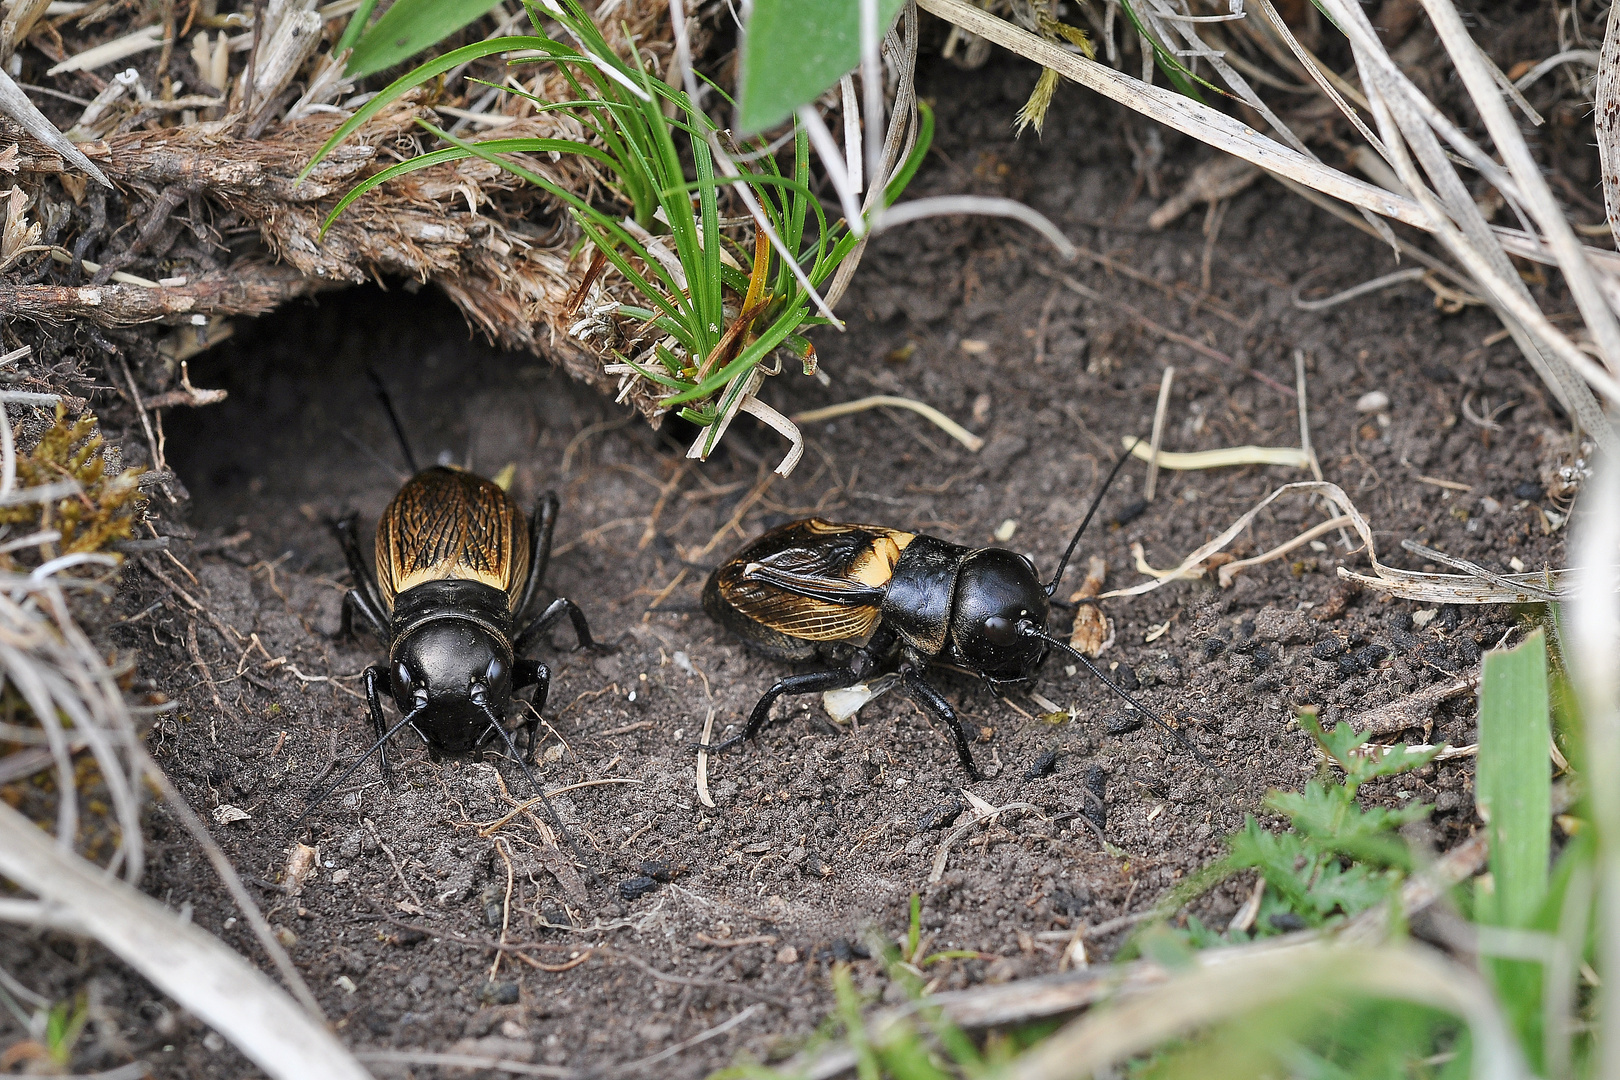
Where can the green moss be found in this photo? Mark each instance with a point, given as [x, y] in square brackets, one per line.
[103, 511]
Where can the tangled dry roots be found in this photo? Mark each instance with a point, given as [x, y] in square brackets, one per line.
[498, 247]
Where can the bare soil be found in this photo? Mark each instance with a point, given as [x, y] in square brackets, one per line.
[819, 835]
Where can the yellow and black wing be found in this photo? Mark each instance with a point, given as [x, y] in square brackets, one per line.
[450, 524]
[813, 580]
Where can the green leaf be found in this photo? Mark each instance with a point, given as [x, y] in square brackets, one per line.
[355, 26]
[1514, 780]
[456, 153]
[432, 69]
[795, 50]
[1513, 790]
[409, 27]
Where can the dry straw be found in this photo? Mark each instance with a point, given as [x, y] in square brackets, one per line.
[1415, 142]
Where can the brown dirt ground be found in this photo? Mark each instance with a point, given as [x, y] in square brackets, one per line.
[819, 835]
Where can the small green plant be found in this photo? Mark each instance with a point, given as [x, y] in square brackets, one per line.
[1533, 1013]
[714, 308]
[63, 1026]
[1336, 860]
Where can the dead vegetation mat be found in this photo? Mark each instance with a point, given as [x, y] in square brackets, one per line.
[435, 920]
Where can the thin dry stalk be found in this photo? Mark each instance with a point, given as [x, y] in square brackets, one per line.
[877, 401]
[1606, 120]
[1469, 588]
[1448, 211]
[1224, 986]
[1160, 411]
[208, 979]
[1592, 637]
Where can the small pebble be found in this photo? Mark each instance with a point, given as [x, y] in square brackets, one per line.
[941, 816]
[1327, 648]
[787, 954]
[1372, 401]
[499, 993]
[637, 887]
[1131, 512]
[1122, 723]
[844, 951]
[1071, 903]
[1530, 491]
[1042, 766]
[1096, 810]
[1369, 657]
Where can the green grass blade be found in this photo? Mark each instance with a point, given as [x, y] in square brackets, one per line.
[355, 26]
[710, 281]
[396, 170]
[456, 153]
[756, 351]
[432, 69]
[1179, 74]
[1514, 781]
[1513, 790]
[408, 27]
[914, 160]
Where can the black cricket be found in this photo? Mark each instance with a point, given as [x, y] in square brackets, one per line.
[814, 588]
[453, 594]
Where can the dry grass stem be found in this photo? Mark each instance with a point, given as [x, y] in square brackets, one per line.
[1230, 570]
[878, 401]
[1160, 410]
[1224, 458]
[1408, 584]
[703, 762]
[202, 975]
[1226, 983]
[1403, 114]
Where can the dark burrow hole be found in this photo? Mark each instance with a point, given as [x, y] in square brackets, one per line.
[303, 436]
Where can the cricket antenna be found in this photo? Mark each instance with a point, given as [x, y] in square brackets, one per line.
[1096, 502]
[1029, 629]
[551, 813]
[350, 771]
[393, 418]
